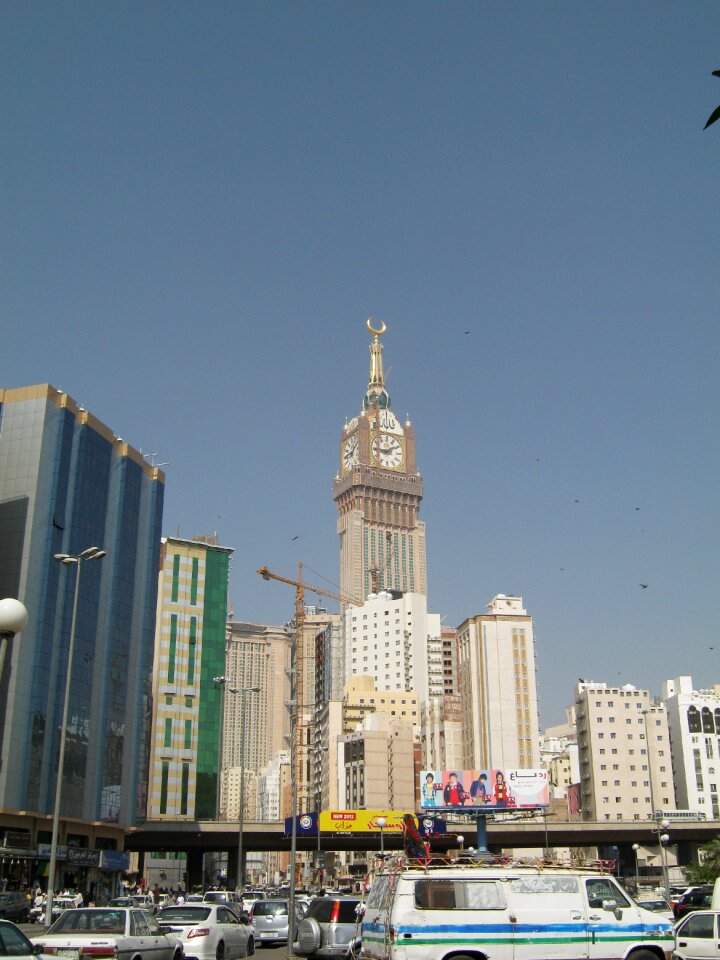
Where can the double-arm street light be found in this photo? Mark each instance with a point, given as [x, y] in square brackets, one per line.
[663, 840]
[68, 560]
[241, 692]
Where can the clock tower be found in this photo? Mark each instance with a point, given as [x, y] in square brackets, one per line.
[378, 492]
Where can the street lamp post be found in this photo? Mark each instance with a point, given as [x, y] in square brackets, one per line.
[636, 847]
[68, 560]
[381, 822]
[663, 840]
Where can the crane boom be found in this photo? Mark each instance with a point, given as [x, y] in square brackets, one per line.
[302, 586]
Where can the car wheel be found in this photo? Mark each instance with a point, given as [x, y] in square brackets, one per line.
[220, 951]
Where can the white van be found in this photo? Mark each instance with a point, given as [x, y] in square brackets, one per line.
[507, 912]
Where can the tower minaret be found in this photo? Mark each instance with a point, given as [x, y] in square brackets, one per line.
[378, 492]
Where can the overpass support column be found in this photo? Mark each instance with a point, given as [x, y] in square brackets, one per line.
[194, 869]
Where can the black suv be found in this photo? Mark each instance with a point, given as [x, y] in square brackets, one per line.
[15, 906]
[698, 899]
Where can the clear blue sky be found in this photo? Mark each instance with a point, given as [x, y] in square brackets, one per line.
[202, 202]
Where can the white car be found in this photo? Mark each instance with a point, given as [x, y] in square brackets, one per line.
[14, 945]
[61, 902]
[121, 933]
[208, 931]
[698, 935]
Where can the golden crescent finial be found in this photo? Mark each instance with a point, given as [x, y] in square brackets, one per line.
[378, 333]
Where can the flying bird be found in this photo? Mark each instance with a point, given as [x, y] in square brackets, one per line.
[716, 112]
[644, 586]
[293, 538]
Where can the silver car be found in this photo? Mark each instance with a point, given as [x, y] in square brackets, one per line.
[270, 921]
[329, 928]
[123, 933]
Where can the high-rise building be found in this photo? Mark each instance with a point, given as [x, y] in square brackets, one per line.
[258, 655]
[497, 687]
[67, 483]
[189, 652]
[394, 639]
[694, 722]
[378, 491]
[624, 752]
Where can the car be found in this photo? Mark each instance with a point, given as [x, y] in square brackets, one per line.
[123, 902]
[146, 901]
[194, 898]
[270, 921]
[208, 931]
[14, 905]
[250, 897]
[123, 933]
[698, 935]
[14, 944]
[329, 928]
[658, 905]
[697, 898]
[229, 897]
[61, 902]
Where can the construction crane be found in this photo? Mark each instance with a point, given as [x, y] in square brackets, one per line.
[377, 571]
[297, 701]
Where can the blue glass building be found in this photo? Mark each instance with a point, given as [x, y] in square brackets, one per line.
[66, 484]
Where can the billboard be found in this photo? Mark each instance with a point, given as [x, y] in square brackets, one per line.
[365, 821]
[483, 790]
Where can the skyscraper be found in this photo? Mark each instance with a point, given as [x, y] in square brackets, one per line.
[189, 652]
[497, 686]
[68, 483]
[378, 492]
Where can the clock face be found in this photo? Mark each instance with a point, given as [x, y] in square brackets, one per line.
[350, 451]
[387, 451]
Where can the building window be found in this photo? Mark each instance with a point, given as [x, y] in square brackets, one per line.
[175, 578]
[173, 647]
[194, 582]
[164, 786]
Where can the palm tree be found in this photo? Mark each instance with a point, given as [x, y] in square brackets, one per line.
[716, 112]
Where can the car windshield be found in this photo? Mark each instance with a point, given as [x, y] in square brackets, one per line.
[90, 921]
[13, 943]
[270, 908]
[185, 914]
[216, 897]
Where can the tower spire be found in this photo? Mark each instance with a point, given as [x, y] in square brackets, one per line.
[376, 392]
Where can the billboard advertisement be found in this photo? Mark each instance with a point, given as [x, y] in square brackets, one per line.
[483, 790]
[365, 821]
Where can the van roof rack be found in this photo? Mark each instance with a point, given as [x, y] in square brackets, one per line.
[394, 862]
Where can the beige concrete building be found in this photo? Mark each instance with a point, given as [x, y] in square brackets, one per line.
[624, 751]
[449, 654]
[442, 738]
[376, 765]
[360, 699]
[497, 687]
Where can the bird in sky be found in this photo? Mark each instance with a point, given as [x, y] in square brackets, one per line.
[644, 586]
[294, 538]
